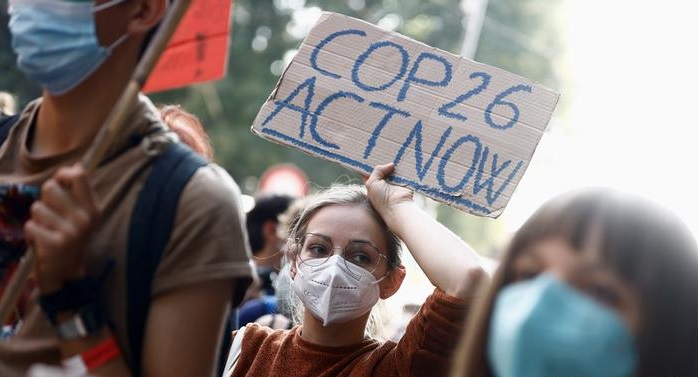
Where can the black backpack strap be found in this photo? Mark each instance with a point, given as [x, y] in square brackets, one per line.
[149, 231]
[6, 124]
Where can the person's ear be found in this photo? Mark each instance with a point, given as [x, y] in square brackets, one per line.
[392, 281]
[293, 267]
[269, 232]
[145, 14]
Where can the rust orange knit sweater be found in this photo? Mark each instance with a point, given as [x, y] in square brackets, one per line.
[424, 350]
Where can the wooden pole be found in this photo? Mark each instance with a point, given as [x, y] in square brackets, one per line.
[114, 125]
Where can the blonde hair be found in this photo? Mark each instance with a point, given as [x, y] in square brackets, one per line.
[343, 195]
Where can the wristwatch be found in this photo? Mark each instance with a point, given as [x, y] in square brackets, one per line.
[88, 320]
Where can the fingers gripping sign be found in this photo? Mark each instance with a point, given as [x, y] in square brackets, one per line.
[383, 195]
[59, 228]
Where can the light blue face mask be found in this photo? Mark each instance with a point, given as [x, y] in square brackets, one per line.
[56, 41]
[542, 327]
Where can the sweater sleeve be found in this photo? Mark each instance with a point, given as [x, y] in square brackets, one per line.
[431, 336]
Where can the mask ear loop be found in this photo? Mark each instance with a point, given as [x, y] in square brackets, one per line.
[116, 43]
[293, 255]
[101, 7]
[108, 4]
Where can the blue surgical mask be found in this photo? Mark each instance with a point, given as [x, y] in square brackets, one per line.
[543, 327]
[56, 41]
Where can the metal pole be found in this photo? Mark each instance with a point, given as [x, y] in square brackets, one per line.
[474, 17]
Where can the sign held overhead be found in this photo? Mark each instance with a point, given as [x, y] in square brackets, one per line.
[458, 131]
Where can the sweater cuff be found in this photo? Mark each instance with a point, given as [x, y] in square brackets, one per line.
[452, 309]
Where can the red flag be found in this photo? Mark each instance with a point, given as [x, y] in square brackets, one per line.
[198, 50]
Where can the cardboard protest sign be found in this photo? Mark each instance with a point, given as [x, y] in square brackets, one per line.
[458, 131]
[198, 50]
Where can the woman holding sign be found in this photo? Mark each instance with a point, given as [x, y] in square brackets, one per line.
[344, 255]
[593, 284]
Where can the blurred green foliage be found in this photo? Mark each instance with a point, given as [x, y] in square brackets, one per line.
[522, 36]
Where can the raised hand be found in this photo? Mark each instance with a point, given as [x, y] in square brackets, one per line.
[448, 262]
[384, 196]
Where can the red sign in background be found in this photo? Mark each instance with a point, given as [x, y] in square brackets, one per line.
[198, 50]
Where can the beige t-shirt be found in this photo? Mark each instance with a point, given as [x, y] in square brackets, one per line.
[207, 243]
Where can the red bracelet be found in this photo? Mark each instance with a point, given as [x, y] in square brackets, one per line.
[103, 353]
[93, 358]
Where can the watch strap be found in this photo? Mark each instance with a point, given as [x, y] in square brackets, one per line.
[74, 295]
[87, 320]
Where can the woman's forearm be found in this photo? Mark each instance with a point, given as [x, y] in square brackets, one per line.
[449, 263]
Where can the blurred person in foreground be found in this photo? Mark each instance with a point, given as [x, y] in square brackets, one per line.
[82, 54]
[596, 283]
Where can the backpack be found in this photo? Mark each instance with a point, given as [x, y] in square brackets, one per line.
[149, 231]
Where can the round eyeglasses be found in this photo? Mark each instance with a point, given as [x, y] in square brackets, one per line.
[316, 249]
